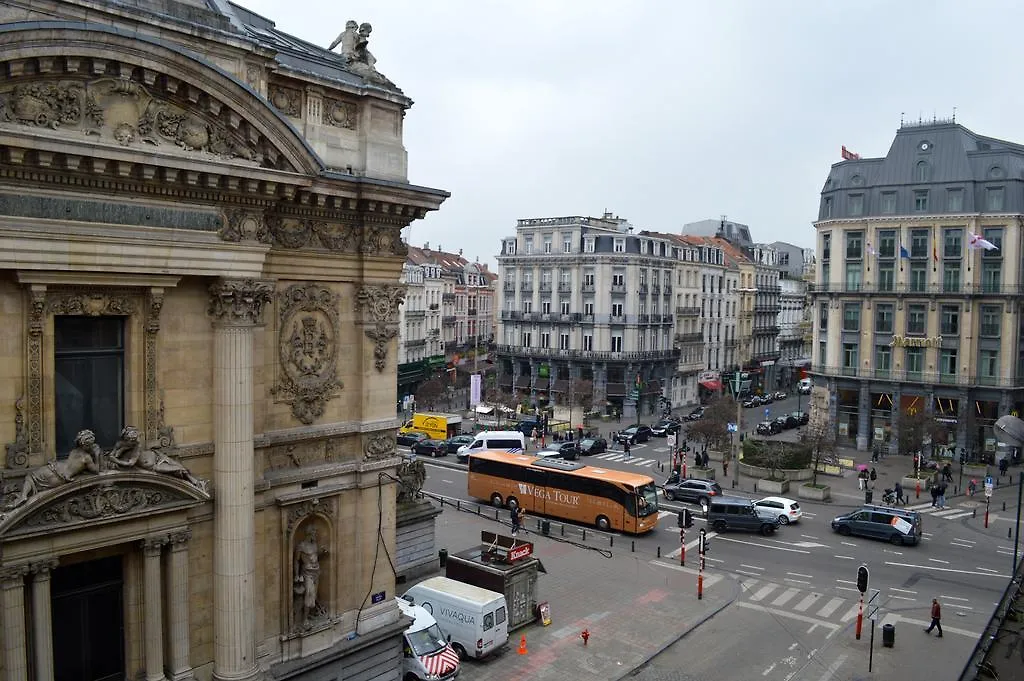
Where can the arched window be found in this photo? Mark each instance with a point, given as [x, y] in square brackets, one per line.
[921, 172]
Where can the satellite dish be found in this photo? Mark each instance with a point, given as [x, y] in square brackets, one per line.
[1009, 430]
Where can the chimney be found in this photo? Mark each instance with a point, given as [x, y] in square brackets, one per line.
[426, 246]
[460, 252]
[440, 248]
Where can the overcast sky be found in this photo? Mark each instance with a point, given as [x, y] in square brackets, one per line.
[665, 112]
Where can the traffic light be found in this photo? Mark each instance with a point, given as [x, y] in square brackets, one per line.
[685, 518]
[862, 578]
[702, 545]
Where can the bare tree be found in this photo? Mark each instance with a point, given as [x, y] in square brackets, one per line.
[580, 393]
[821, 438]
[429, 393]
[915, 430]
[713, 429]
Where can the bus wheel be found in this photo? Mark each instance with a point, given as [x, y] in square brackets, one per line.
[496, 500]
[512, 503]
[603, 523]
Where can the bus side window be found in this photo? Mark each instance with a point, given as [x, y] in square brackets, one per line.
[488, 621]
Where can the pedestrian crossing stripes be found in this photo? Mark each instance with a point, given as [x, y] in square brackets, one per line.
[935, 512]
[619, 457]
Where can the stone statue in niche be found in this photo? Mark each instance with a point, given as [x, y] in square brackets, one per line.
[411, 476]
[83, 458]
[307, 577]
[129, 453]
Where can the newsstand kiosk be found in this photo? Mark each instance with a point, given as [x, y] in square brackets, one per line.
[502, 564]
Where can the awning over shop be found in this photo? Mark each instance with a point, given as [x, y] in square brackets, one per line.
[615, 389]
[712, 385]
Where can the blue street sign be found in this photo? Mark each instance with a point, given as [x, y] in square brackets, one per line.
[767, 411]
[988, 481]
[732, 428]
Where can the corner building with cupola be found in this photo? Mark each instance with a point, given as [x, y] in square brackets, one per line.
[917, 290]
[200, 252]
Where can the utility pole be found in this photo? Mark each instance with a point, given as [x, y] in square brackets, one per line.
[739, 428]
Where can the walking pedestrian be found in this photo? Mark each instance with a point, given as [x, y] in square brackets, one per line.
[579, 432]
[516, 519]
[862, 479]
[898, 489]
[936, 616]
[935, 494]
[972, 487]
[873, 476]
[942, 495]
[533, 439]
[947, 473]
[707, 459]
[725, 468]
[625, 448]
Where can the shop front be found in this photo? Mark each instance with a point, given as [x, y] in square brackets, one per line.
[946, 413]
[981, 440]
[847, 401]
[881, 419]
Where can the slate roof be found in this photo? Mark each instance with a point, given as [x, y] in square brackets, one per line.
[953, 157]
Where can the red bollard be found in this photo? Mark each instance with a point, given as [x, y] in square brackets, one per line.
[860, 616]
[986, 517]
[917, 490]
[700, 585]
[682, 546]
[585, 635]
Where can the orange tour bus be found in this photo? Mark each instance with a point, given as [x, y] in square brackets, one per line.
[571, 490]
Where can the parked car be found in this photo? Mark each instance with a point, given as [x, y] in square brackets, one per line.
[633, 435]
[766, 399]
[693, 490]
[409, 438]
[431, 448]
[802, 417]
[665, 428]
[752, 402]
[782, 423]
[593, 445]
[777, 396]
[768, 428]
[789, 421]
[453, 443]
[563, 450]
[697, 414]
[780, 509]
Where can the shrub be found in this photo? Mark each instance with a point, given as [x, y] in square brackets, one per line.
[776, 455]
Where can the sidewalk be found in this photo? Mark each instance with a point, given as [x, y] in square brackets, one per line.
[633, 608]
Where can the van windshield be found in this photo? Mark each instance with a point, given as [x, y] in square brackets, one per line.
[426, 641]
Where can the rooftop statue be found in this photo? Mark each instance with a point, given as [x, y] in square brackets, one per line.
[357, 57]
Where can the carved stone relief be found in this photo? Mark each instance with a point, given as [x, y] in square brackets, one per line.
[340, 114]
[411, 476]
[239, 301]
[17, 451]
[125, 112]
[383, 240]
[296, 233]
[379, 446]
[286, 100]
[300, 455]
[308, 337]
[379, 304]
[92, 303]
[99, 503]
[241, 225]
[299, 512]
[154, 406]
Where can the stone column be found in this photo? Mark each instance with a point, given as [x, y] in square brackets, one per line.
[236, 306]
[12, 584]
[895, 418]
[863, 417]
[42, 617]
[152, 596]
[177, 607]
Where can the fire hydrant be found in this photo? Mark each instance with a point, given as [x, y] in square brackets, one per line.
[585, 635]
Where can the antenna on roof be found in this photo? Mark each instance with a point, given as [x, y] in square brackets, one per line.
[954, 114]
[902, 114]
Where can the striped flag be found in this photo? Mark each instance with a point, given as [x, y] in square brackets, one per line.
[975, 241]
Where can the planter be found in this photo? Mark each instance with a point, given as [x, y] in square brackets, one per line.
[820, 493]
[714, 455]
[702, 473]
[910, 484]
[975, 470]
[795, 474]
[773, 486]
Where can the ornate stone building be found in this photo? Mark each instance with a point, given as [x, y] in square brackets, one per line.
[199, 262]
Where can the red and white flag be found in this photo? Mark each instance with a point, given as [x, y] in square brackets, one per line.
[976, 241]
[849, 155]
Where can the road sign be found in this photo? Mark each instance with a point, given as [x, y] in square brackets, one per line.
[989, 482]
[671, 439]
[634, 394]
[988, 491]
[732, 427]
[767, 411]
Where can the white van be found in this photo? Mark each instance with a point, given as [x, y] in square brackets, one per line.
[512, 441]
[426, 655]
[475, 620]
[805, 386]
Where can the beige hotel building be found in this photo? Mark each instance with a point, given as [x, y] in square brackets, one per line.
[909, 313]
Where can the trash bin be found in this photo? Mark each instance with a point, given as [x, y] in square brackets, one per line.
[545, 527]
[868, 494]
[442, 557]
[888, 635]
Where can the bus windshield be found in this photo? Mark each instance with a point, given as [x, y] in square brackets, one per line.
[648, 497]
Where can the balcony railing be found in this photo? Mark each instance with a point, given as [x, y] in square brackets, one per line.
[667, 289]
[510, 315]
[415, 314]
[597, 355]
[545, 286]
[766, 331]
[746, 314]
[447, 297]
[618, 288]
[767, 308]
[689, 337]
[434, 307]
[526, 286]
[508, 287]
[656, 289]
[688, 311]
[924, 377]
[564, 287]
[448, 319]
[418, 343]
[643, 288]
[765, 356]
[910, 288]
[731, 343]
[588, 288]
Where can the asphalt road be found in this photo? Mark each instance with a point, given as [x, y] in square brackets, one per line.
[798, 586]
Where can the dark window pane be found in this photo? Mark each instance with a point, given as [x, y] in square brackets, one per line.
[89, 379]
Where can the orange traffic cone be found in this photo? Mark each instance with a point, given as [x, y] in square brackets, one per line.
[522, 645]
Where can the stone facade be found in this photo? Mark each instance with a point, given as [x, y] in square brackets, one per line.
[234, 220]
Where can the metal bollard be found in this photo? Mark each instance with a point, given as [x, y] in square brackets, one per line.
[974, 513]
[496, 515]
[538, 523]
[1008, 530]
[563, 529]
[659, 552]
[458, 504]
[584, 534]
[1004, 505]
[611, 540]
[632, 546]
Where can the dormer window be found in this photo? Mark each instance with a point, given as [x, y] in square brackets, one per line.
[588, 245]
[619, 245]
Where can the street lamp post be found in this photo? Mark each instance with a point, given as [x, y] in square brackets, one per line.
[739, 417]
